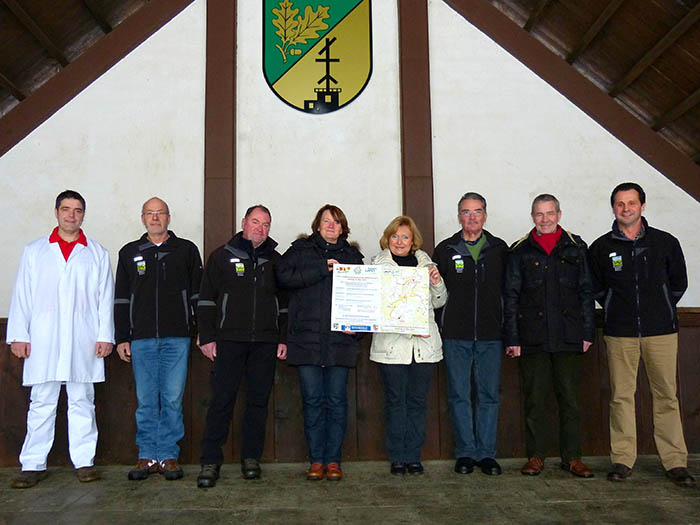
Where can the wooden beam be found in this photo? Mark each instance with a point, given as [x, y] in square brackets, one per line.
[220, 125]
[662, 45]
[536, 14]
[11, 87]
[89, 66]
[652, 147]
[416, 134]
[31, 26]
[677, 111]
[593, 31]
[98, 16]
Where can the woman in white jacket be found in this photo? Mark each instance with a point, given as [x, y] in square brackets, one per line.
[407, 362]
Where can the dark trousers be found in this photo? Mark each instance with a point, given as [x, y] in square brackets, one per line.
[325, 398]
[405, 397]
[255, 361]
[540, 372]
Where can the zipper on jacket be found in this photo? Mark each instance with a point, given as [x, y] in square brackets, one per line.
[255, 297]
[476, 294]
[157, 288]
[636, 290]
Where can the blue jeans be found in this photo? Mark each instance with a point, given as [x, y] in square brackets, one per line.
[324, 393]
[405, 397]
[474, 411]
[160, 372]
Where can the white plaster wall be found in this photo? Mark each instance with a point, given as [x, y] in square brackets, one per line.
[500, 130]
[136, 132]
[294, 162]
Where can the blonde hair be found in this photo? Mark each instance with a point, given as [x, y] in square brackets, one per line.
[392, 228]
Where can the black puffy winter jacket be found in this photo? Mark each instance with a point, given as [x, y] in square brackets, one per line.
[303, 270]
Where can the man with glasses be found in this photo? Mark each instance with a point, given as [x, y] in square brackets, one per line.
[472, 262]
[640, 276]
[157, 288]
[548, 313]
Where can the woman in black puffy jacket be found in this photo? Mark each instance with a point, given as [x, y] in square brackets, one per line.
[323, 357]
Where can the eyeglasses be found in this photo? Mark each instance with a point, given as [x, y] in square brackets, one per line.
[155, 213]
[466, 213]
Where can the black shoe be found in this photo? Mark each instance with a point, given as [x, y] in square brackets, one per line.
[464, 465]
[398, 468]
[489, 466]
[207, 476]
[250, 468]
[681, 477]
[415, 468]
[619, 472]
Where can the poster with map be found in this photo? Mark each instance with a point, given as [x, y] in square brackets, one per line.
[370, 298]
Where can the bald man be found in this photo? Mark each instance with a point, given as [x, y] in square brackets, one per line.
[156, 292]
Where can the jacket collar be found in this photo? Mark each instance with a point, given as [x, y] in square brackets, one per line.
[618, 235]
[145, 244]
[457, 243]
[384, 257]
[243, 248]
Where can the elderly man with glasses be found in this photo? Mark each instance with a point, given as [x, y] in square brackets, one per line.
[472, 262]
[157, 289]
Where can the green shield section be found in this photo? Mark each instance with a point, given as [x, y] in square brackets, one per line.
[292, 27]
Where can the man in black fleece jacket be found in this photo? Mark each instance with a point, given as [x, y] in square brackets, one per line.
[639, 275]
[242, 326]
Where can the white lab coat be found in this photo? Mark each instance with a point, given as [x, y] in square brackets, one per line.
[62, 308]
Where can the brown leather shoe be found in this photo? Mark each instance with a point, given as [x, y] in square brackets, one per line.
[28, 478]
[533, 467]
[170, 469]
[143, 469]
[333, 472]
[315, 472]
[578, 468]
[87, 474]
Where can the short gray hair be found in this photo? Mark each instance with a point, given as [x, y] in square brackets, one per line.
[471, 196]
[545, 197]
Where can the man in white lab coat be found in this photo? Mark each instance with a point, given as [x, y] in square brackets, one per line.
[61, 323]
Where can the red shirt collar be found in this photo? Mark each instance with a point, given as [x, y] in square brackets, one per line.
[65, 246]
[55, 237]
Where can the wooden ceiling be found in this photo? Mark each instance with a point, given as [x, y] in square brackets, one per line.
[40, 38]
[640, 55]
[645, 54]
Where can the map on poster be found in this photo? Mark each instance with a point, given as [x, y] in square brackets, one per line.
[370, 298]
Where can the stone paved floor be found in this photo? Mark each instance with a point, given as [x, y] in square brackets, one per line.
[368, 494]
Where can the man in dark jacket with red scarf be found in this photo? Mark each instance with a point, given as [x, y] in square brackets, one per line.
[548, 311]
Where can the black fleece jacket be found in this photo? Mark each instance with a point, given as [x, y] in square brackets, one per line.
[638, 282]
[156, 289]
[239, 299]
[474, 303]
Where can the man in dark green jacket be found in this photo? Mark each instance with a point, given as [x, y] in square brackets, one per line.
[548, 312]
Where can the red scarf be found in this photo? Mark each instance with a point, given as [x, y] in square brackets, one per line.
[66, 247]
[547, 240]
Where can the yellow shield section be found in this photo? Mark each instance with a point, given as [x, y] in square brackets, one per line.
[349, 45]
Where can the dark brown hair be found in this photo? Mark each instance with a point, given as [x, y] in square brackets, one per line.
[337, 214]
